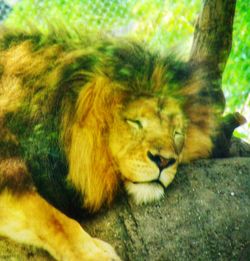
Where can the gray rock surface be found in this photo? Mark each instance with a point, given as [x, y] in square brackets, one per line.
[205, 215]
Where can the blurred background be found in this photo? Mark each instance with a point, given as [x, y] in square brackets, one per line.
[161, 23]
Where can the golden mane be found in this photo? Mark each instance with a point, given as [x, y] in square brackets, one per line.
[88, 150]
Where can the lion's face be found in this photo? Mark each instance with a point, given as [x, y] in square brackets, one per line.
[146, 141]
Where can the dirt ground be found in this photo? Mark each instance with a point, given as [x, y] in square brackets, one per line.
[205, 215]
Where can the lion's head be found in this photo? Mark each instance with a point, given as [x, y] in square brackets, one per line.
[146, 140]
[138, 116]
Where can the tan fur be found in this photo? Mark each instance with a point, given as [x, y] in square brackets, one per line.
[10, 94]
[50, 229]
[93, 108]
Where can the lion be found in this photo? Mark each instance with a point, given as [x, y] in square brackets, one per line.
[81, 117]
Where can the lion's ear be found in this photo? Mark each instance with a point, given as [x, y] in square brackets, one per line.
[91, 167]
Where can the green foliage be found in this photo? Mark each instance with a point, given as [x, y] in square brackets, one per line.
[160, 23]
[236, 78]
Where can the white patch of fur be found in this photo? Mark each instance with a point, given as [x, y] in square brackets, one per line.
[167, 176]
[143, 193]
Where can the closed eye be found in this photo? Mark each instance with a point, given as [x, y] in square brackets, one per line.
[134, 123]
[178, 141]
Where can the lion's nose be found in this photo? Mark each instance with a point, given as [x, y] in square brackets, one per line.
[161, 161]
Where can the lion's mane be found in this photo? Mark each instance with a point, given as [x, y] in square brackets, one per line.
[61, 97]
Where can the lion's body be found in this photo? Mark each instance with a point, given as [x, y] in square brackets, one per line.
[84, 116]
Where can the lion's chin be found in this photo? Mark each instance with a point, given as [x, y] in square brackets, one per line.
[143, 193]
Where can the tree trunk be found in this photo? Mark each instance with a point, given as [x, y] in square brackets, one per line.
[212, 42]
[205, 214]
[211, 47]
[213, 33]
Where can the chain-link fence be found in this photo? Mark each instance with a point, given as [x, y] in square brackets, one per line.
[152, 21]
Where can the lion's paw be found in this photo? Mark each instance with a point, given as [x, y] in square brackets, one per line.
[105, 251]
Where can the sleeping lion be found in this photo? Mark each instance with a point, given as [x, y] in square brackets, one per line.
[80, 118]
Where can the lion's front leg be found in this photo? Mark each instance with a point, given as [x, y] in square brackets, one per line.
[27, 218]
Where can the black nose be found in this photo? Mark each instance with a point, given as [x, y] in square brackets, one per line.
[160, 161]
